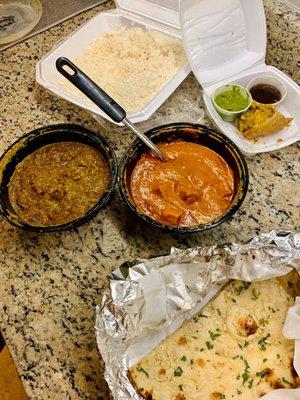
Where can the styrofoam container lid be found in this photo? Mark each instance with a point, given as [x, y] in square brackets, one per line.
[159, 15]
[225, 42]
[164, 11]
[222, 37]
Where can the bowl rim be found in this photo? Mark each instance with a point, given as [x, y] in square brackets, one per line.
[227, 112]
[38, 10]
[125, 159]
[83, 132]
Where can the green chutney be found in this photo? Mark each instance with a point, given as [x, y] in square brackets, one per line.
[232, 100]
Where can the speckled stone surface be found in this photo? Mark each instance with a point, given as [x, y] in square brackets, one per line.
[51, 283]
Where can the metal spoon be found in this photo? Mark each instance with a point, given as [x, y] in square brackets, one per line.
[102, 100]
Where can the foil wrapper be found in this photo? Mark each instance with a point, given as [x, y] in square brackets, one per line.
[147, 300]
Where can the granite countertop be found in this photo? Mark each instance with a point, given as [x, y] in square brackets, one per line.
[51, 283]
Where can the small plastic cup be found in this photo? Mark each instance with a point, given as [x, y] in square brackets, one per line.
[226, 114]
[270, 80]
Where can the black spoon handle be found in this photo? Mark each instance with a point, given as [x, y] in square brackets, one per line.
[90, 89]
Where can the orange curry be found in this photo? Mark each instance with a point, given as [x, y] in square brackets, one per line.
[194, 186]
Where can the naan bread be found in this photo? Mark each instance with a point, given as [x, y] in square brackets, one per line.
[261, 120]
[233, 350]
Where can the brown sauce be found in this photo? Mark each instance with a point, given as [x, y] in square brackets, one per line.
[194, 186]
[58, 183]
[265, 94]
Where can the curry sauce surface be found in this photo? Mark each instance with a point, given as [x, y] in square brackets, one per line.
[194, 186]
[58, 183]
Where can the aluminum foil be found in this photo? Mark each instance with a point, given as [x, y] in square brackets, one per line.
[149, 299]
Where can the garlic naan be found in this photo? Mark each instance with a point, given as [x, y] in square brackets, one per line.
[233, 350]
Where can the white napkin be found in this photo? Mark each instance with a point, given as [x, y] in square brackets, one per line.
[291, 330]
[283, 394]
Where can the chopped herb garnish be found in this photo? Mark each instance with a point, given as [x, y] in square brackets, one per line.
[265, 360]
[222, 397]
[213, 335]
[263, 321]
[238, 391]
[183, 358]
[263, 342]
[261, 374]
[250, 384]
[233, 300]
[219, 311]
[141, 369]
[244, 286]
[209, 345]
[178, 371]
[272, 309]
[241, 346]
[287, 382]
[255, 294]
[180, 387]
[196, 319]
[245, 374]
[278, 356]
[192, 361]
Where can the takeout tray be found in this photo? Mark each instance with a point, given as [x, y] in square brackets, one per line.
[226, 43]
[163, 17]
[289, 108]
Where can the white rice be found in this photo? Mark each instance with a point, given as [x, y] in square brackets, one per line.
[131, 65]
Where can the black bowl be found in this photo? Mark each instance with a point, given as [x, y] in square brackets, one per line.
[39, 138]
[193, 133]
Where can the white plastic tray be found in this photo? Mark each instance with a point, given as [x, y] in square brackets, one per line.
[225, 41]
[78, 41]
[289, 108]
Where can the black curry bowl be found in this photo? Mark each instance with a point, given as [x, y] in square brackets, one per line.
[196, 133]
[42, 137]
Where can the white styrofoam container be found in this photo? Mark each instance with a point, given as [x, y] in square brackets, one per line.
[156, 14]
[225, 41]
